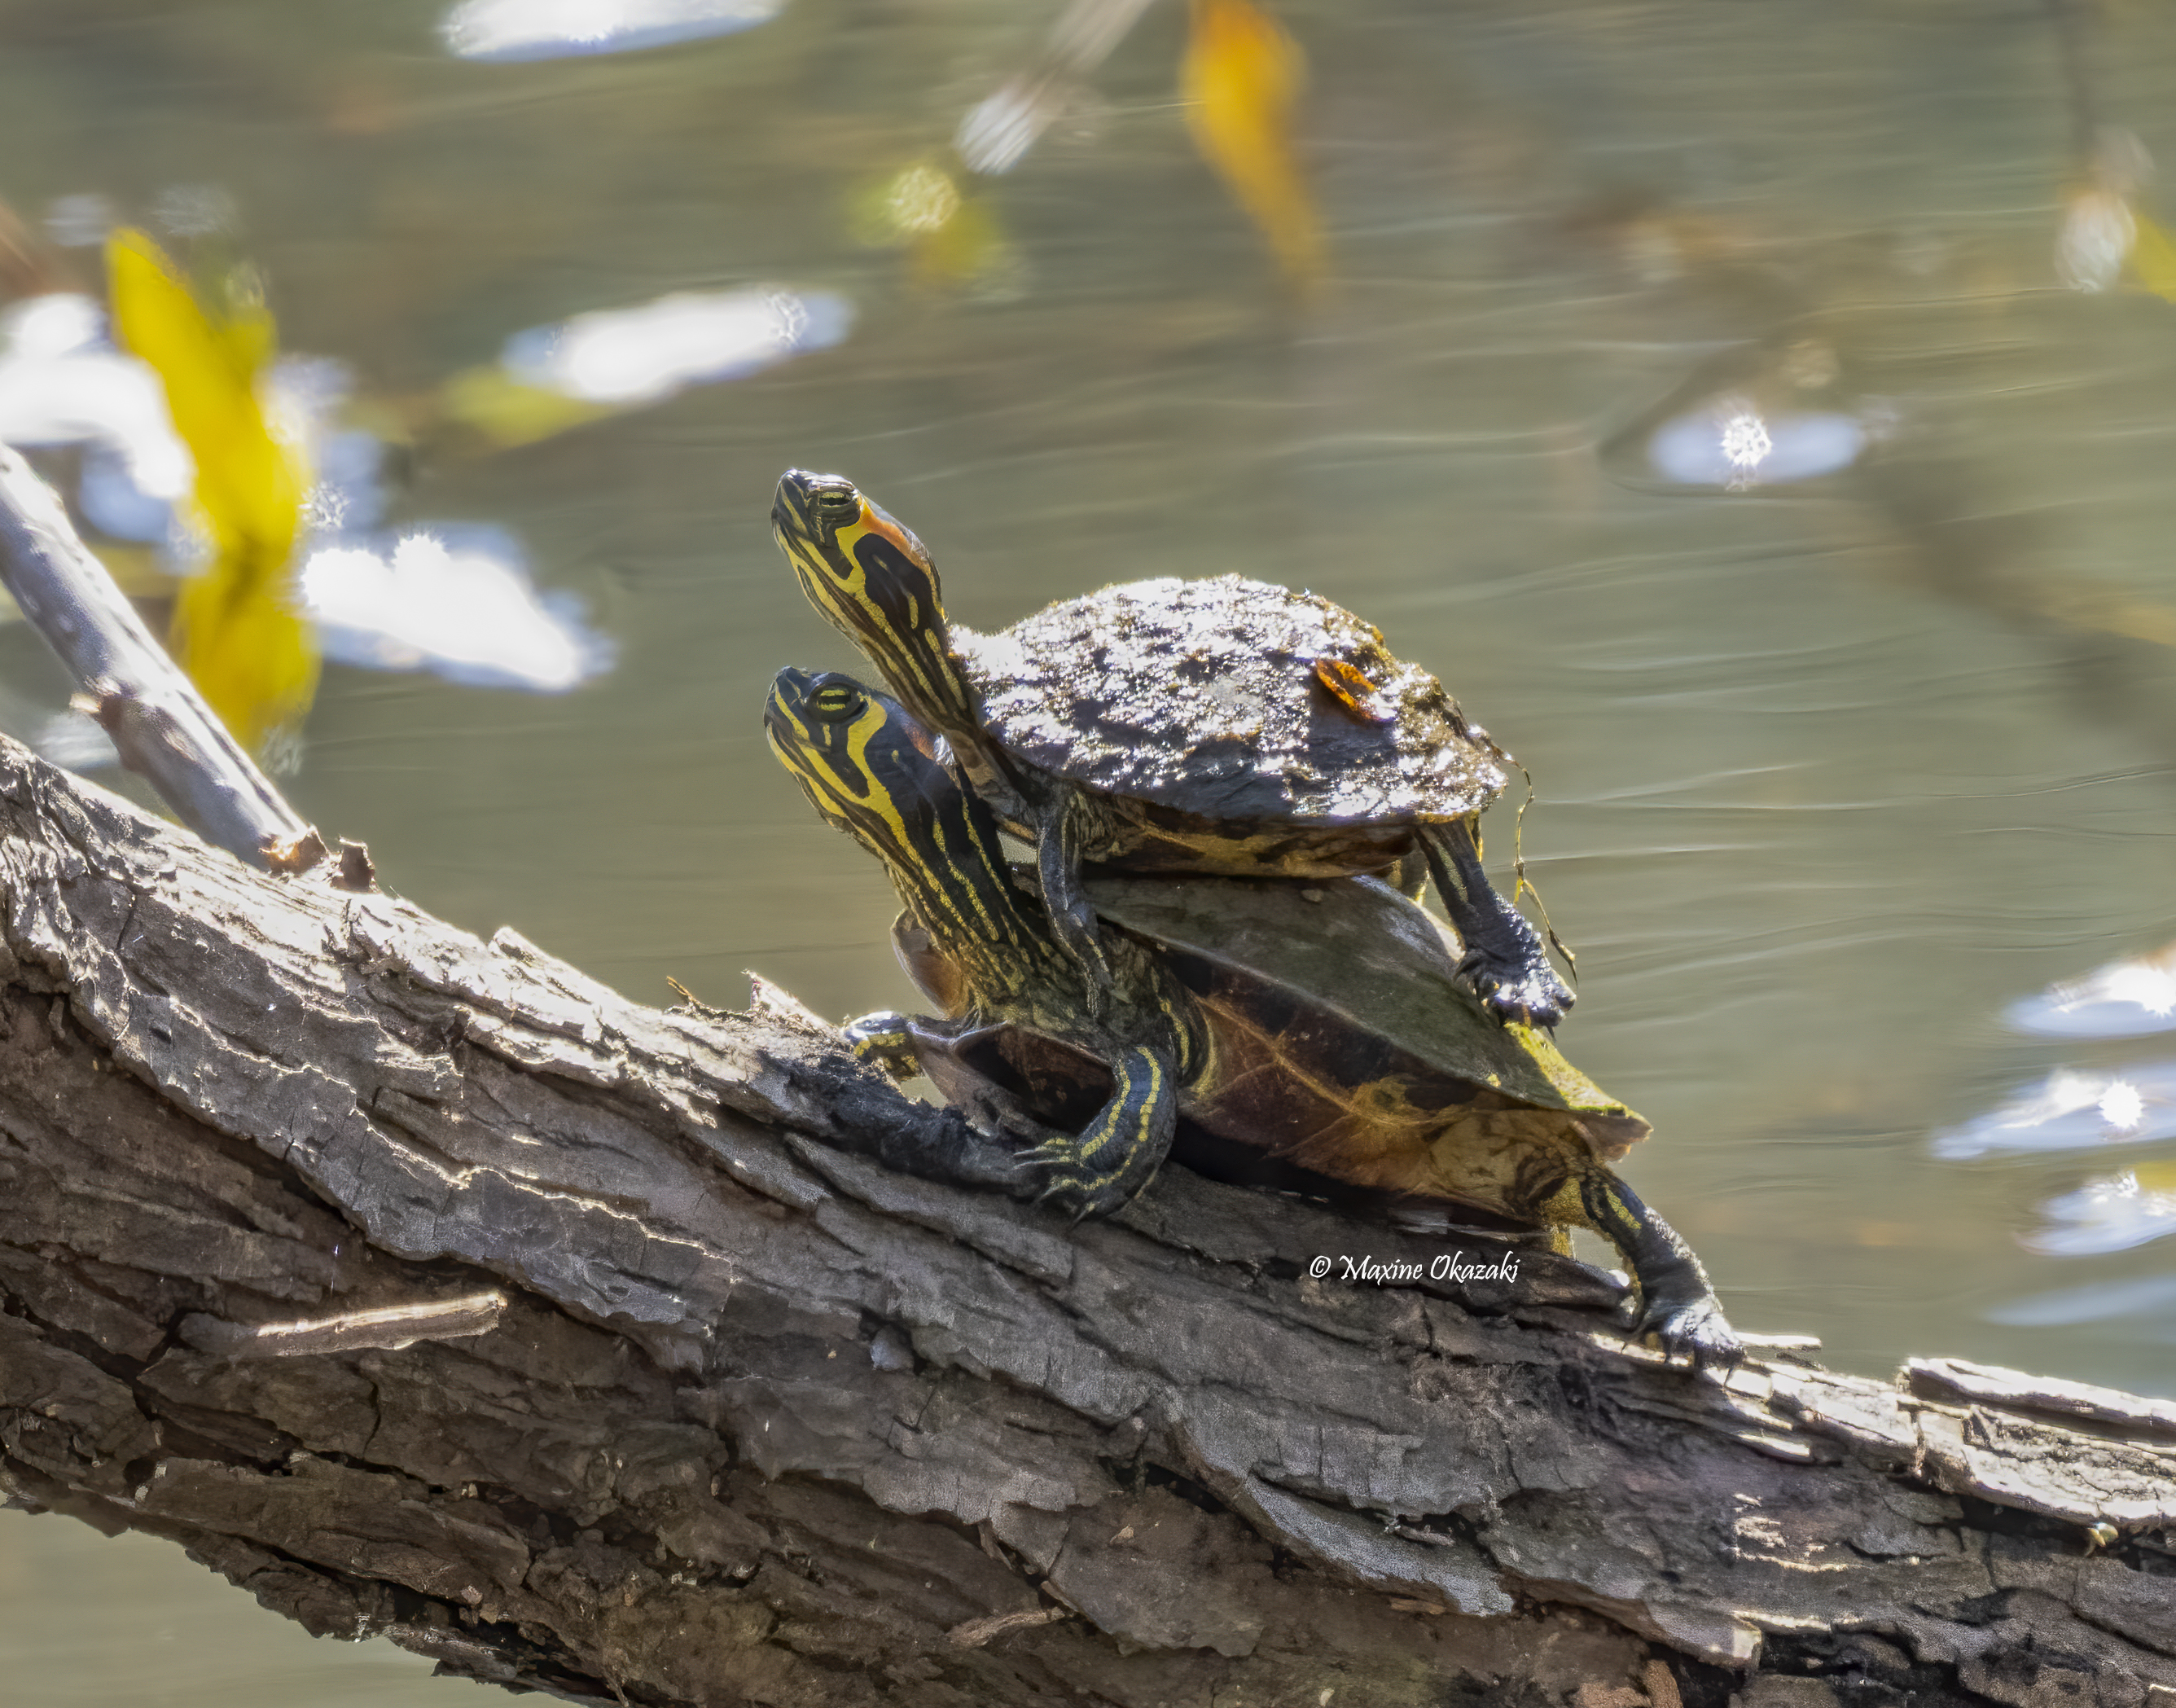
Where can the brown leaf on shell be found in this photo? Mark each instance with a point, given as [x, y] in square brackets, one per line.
[1348, 685]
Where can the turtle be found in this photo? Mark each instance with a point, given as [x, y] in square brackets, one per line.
[1223, 727]
[1322, 1023]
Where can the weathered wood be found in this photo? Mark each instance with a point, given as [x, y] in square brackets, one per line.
[159, 723]
[425, 1287]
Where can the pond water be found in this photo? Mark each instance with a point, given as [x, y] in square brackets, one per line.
[1832, 771]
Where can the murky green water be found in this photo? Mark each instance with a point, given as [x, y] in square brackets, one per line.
[1828, 775]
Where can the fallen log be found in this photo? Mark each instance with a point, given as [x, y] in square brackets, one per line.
[427, 1288]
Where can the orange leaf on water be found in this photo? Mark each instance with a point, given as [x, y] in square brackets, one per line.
[1241, 79]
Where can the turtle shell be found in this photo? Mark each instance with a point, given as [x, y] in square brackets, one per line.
[1230, 698]
[1351, 991]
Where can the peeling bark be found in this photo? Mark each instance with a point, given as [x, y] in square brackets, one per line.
[427, 1288]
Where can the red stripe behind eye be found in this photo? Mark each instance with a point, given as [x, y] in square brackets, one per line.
[877, 522]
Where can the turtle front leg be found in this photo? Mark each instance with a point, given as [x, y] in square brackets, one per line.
[961, 1149]
[1066, 819]
[1678, 1310]
[1117, 1154]
[1505, 959]
[906, 1047]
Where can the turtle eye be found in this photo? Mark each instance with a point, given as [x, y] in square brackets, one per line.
[838, 503]
[836, 704]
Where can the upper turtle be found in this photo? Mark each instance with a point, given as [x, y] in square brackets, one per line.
[1230, 698]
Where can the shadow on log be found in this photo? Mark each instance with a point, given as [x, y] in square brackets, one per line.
[425, 1288]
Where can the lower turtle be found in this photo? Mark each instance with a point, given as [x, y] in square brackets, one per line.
[1224, 726]
[1324, 1025]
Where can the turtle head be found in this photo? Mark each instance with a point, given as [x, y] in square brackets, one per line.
[868, 766]
[872, 769]
[875, 581]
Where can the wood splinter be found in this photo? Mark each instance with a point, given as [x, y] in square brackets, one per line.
[392, 1328]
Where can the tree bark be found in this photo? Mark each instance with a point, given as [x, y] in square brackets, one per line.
[158, 723]
[427, 1288]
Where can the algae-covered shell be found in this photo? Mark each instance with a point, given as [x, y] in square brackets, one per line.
[1230, 698]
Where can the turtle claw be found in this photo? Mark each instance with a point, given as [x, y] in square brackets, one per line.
[1063, 1189]
[1061, 1166]
[1505, 961]
[1530, 994]
[1694, 1328]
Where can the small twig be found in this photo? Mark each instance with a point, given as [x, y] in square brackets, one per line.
[392, 1327]
[1525, 885]
[998, 130]
[158, 721]
[975, 1633]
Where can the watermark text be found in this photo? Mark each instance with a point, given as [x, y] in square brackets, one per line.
[1446, 1267]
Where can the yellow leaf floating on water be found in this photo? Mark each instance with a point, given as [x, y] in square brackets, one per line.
[970, 248]
[951, 238]
[235, 629]
[1242, 77]
[2156, 1177]
[507, 412]
[2153, 257]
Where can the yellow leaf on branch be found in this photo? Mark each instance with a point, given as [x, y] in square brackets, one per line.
[235, 629]
[1241, 79]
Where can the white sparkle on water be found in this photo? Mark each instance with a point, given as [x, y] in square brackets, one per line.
[2121, 1107]
[2152, 987]
[1745, 440]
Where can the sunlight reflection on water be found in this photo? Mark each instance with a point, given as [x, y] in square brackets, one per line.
[464, 609]
[624, 357]
[2127, 998]
[2071, 1111]
[2095, 1303]
[2113, 1212]
[1731, 446]
[513, 30]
